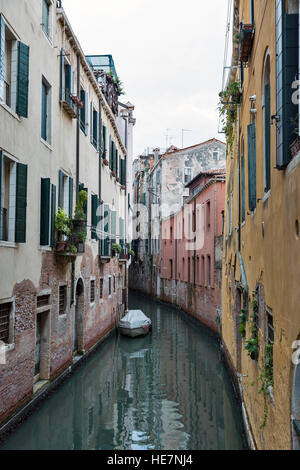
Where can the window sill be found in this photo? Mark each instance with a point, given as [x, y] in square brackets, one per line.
[9, 110]
[243, 224]
[49, 39]
[8, 244]
[45, 248]
[47, 144]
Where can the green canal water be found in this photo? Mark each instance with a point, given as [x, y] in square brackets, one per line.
[168, 390]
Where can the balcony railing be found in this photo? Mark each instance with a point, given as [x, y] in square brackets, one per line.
[246, 41]
[69, 104]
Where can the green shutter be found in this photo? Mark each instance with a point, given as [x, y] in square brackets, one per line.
[267, 139]
[86, 119]
[45, 211]
[1, 218]
[94, 216]
[2, 57]
[104, 145]
[116, 162]
[22, 80]
[85, 206]
[60, 189]
[92, 123]
[62, 75]
[21, 203]
[106, 249]
[70, 197]
[111, 155]
[243, 187]
[252, 166]
[68, 77]
[82, 110]
[113, 218]
[123, 172]
[53, 213]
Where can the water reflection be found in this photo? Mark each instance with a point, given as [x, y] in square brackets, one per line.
[167, 390]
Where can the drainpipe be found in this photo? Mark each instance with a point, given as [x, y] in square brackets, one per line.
[100, 174]
[126, 209]
[78, 130]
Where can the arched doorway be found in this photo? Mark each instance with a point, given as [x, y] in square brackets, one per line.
[296, 400]
[79, 315]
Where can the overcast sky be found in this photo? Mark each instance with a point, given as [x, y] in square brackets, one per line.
[169, 56]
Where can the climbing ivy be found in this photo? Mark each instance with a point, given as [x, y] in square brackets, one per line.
[251, 345]
[242, 324]
[228, 106]
[266, 380]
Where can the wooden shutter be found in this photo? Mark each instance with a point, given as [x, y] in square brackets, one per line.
[94, 216]
[60, 189]
[21, 203]
[22, 80]
[104, 145]
[70, 197]
[62, 75]
[86, 108]
[267, 139]
[45, 211]
[123, 172]
[243, 187]
[2, 58]
[53, 213]
[252, 166]
[91, 123]
[116, 162]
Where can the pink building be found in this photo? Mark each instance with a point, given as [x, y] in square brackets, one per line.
[191, 253]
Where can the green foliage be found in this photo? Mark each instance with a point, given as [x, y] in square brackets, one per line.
[228, 105]
[62, 222]
[131, 252]
[82, 199]
[242, 324]
[266, 380]
[251, 345]
[116, 248]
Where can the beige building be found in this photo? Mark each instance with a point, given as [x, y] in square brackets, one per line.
[62, 132]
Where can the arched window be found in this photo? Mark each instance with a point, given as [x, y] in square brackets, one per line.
[267, 124]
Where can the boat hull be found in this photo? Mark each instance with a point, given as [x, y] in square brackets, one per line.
[133, 332]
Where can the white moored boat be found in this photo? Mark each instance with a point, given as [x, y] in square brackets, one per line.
[135, 323]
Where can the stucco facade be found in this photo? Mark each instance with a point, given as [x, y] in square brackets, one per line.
[58, 304]
[261, 260]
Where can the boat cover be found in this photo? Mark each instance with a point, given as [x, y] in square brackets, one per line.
[134, 319]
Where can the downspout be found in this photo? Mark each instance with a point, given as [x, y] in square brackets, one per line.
[126, 210]
[194, 223]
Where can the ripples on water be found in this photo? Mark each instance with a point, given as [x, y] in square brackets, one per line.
[167, 390]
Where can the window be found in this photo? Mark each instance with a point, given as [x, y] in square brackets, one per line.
[46, 111]
[203, 271]
[208, 214]
[62, 299]
[267, 125]
[252, 166]
[215, 156]
[46, 17]
[92, 291]
[67, 79]
[94, 127]
[101, 288]
[198, 269]
[84, 111]
[187, 175]
[13, 199]
[171, 269]
[6, 310]
[114, 283]
[243, 181]
[14, 70]
[42, 300]
[208, 271]
[104, 142]
[47, 212]
[65, 193]
[109, 286]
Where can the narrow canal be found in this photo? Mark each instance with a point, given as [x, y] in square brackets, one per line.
[168, 390]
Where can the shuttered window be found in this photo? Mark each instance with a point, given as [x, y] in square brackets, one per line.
[95, 218]
[21, 203]
[106, 245]
[101, 288]
[104, 142]
[123, 172]
[267, 116]
[45, 16]
[252, 166]
[47, 213]
[5, 310]
[23, 80]
[46, 111]
[84, 111]
[65, 193]
[111, 155]
[94, 127]
[62, 299]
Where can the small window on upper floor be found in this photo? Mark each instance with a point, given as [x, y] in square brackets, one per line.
[216, 156]
[84, 111]
[47, 17]
[14, 70]
[46, 111]
[187, 175]
[6, 322]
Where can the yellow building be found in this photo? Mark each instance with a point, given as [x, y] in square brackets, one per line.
[261, 266]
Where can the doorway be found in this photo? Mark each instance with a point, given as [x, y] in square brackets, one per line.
[79, 315]
[42, 347]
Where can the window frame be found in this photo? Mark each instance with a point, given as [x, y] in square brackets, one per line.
[11, 328]
[48, 112]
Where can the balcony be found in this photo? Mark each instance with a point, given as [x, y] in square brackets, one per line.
[246, 41]
[69, 103]
[105, 72]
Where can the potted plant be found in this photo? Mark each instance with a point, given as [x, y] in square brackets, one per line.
[62, 226]
[79, 215]
[105, 162]
[116, 248]
[113, 174]
[118, 179]
[131, 252]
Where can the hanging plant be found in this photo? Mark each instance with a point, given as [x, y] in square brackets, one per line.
[251, 345]
[228, 106]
